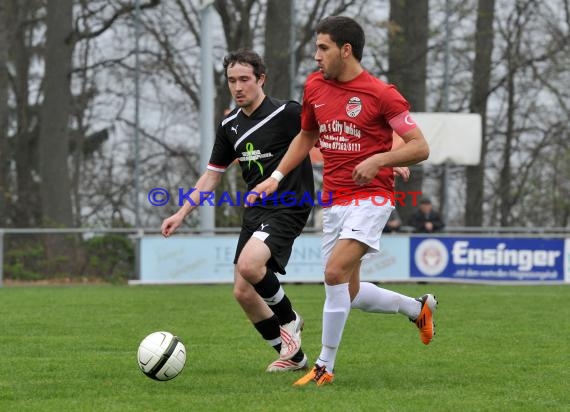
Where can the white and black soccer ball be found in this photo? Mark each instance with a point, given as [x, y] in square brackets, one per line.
[161, 356]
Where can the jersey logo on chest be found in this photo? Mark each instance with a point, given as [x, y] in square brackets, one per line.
[354, 106]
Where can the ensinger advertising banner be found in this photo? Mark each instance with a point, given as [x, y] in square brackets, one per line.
[487, 259]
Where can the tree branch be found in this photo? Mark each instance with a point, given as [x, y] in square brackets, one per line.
[125, 9]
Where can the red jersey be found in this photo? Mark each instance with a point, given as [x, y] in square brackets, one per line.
[352, 120]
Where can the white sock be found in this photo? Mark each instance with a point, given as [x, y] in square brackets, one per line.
[371, 298]
[335, 313]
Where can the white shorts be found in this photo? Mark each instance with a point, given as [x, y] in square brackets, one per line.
[363, 221]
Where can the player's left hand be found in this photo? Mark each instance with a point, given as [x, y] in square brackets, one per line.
[403, 172]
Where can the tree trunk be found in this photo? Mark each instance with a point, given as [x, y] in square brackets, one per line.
[278, 49]
[55, 114]
[408, 41]
[60, 252]
[4, 157]
[505, 176]
[235, 16]
[24, 149]
[480, 91]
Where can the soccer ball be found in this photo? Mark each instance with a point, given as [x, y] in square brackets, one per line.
[161, 356]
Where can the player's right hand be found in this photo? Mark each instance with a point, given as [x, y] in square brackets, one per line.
[265, 188]
[169, 225]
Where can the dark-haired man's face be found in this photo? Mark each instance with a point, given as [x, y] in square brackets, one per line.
[245, 88]
[328, 57]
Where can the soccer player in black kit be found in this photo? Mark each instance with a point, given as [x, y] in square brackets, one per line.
[258, 133]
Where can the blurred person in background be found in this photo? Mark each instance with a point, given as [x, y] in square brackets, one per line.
[394, 223]
[426, 219]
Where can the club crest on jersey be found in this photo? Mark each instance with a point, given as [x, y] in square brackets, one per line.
[353, 107]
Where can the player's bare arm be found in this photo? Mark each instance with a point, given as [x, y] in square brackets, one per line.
[207, 183]
[401, 171]
[414, 150]
[397, 141]
[298, 150]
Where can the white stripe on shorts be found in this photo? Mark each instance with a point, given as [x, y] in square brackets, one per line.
[260, 235]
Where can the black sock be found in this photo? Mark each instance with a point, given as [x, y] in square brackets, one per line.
[270, 290]
[269, 330]
[298, 356]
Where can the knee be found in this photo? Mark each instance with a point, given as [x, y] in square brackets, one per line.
[249, 270]
[334, 276]
[244, 295]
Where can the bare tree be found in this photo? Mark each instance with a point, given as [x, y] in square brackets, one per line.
[278, 49]
[408, 42]
[496, 73]
[21, 19]
[55, 115]
[527, 123]
[479, 97]
[4, 156]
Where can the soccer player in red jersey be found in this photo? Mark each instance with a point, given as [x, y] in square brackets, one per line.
[353, 115]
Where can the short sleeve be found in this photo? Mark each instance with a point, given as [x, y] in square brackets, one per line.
[308, 120]
[293, 119]
[223, 153]
[393, 103]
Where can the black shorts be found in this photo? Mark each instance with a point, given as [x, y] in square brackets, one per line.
[282, 227]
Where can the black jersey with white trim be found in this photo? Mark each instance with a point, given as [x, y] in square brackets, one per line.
[259, 142]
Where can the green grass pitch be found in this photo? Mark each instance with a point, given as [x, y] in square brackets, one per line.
[497, 348]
